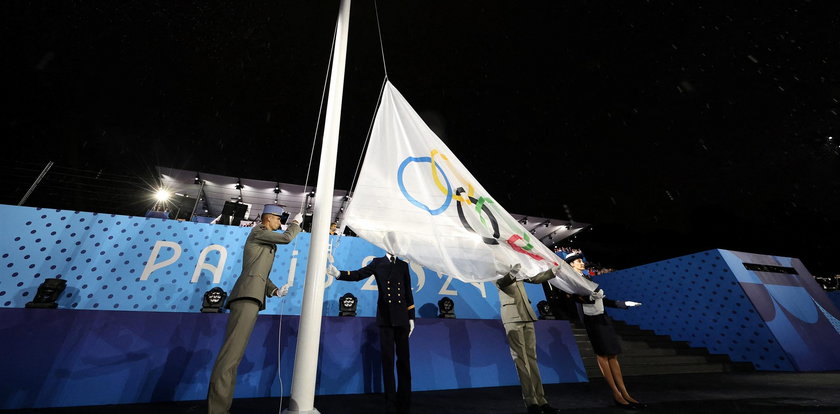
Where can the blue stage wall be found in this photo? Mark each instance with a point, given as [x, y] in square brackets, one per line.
[116, 262]
[777, 321]
[58, 358]
[128, 329]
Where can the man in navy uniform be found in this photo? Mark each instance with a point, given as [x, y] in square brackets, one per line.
[395, 317]
[246, 300]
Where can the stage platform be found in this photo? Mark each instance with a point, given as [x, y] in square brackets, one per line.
[64, 358]
[755, 392]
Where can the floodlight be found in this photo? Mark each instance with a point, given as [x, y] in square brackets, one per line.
[446, 308]
[162, 195]
[48, 292]
[214, 301]
[545, 310]
[347, 305]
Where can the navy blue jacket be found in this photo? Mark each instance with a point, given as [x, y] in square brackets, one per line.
[395, 305]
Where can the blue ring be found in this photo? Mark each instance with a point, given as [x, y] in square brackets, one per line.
[411, 199]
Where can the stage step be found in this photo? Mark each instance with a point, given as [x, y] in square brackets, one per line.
[646, 353]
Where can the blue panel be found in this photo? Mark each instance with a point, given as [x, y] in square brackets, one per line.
[122, 263]
[696, 298]
[776, 321]
[71, 358]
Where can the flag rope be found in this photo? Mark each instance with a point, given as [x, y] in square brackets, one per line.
[381, 46]
[367, 137]
[318, 122]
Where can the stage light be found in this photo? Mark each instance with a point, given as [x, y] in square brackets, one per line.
[312, 194]
[446, 308]
[277, 188]
[197, 179]
[162, 195]
[545, 311]
[347, 305]
[214, 301]
[48, 292]
[238, 185]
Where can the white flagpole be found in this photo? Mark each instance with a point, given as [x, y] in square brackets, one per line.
[309, 331]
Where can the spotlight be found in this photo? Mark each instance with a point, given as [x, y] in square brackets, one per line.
[197, 179]
[347, 305]
[162, 195]
[277, 188]
[239, 185]
[214, 301]
[545, 311]
[47, 294]
[446, 308]
[312, 194]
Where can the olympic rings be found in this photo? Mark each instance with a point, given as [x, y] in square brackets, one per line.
[480, 207]
[482, 204]
[470, 189]
[414, 201]
[511, 241]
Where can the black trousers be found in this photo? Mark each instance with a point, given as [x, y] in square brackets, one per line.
[396, 338]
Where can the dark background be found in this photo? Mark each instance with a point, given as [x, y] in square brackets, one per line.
[672, 127]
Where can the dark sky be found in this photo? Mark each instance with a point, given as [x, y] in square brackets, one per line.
[672, 127]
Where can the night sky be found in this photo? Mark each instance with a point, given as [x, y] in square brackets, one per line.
[672, 127]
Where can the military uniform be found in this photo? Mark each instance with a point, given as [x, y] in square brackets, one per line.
[245, 301]
[518, 318]
[394, 310]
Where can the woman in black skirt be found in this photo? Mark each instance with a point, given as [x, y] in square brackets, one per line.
[602, 336]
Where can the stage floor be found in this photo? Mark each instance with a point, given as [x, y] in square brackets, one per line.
[754, 392]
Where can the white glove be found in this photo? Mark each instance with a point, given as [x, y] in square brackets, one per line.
[599, 294]
[333, 271]
[283, 291]
[298, 218]
[630, 304]
[514, 270]
[410, 327]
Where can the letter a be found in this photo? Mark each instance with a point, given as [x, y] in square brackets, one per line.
[215, 270]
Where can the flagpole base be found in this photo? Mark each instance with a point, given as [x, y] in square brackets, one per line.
[289, 411]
